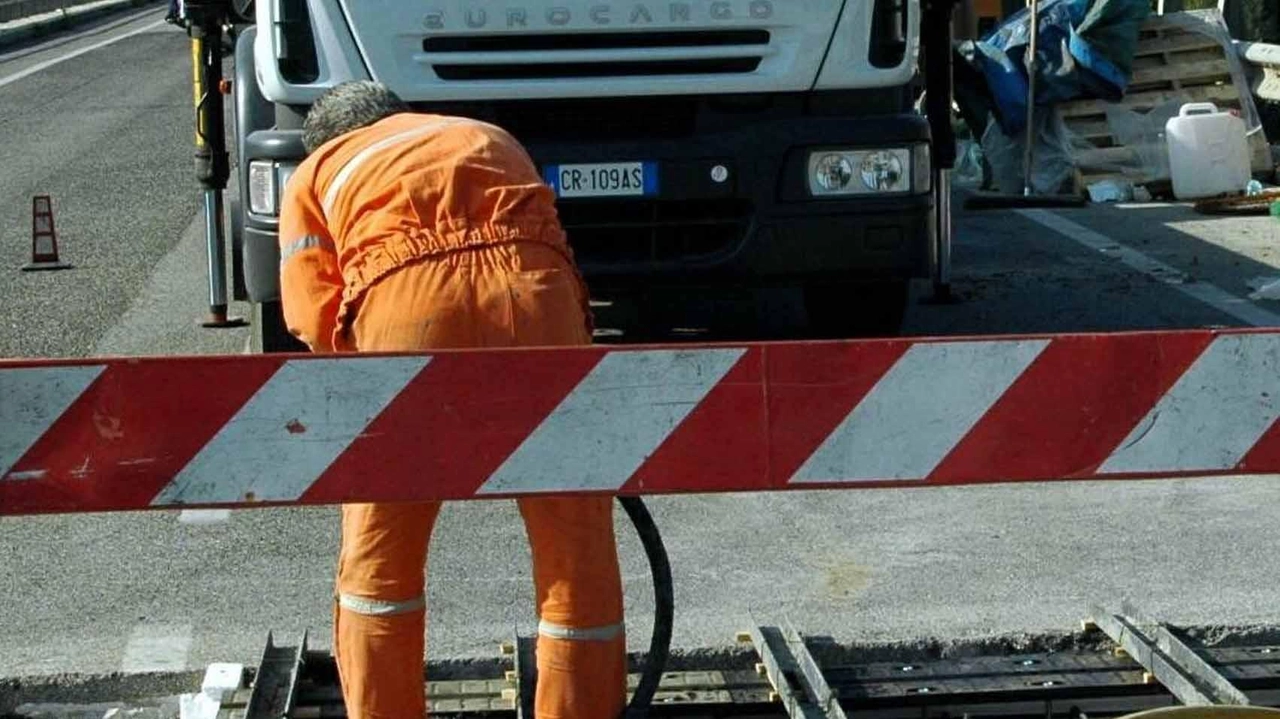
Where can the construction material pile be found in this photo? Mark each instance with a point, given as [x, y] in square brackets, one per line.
[1110, 77]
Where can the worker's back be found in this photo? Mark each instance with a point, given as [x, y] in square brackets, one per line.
[409, 187]
[423, 176]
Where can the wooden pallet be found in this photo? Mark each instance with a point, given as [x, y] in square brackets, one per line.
[1171, 64]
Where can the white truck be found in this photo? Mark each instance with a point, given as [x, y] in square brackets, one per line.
[695, 144]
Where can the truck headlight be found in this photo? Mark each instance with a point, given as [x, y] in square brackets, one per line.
[267, 180]
[832, 173]
[882, 172]
[868, 171]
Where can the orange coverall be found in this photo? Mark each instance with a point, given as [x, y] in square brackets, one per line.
[427, 232]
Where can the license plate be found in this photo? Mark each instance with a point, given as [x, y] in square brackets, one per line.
[603, 179]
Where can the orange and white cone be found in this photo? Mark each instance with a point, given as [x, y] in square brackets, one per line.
[44, 237]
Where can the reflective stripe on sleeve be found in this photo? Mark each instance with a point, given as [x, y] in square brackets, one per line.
[305, 243]
[588, 634]
[380, 607]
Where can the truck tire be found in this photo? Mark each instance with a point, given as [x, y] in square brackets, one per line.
[235, 232]
[269, 333]
[856, 309]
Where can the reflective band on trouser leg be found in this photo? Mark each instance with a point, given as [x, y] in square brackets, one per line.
[586, 634]
[380, 647]
[579, 589]
[379, 607]
[582, 672]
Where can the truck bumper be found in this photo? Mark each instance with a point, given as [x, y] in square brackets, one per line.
[758, 226]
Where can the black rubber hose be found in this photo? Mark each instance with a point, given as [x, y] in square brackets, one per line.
[655, 663]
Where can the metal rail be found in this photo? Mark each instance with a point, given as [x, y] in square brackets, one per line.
[1167, 640]
[783, 669]
[1175, 665]
[1059, 685]
[815, 684]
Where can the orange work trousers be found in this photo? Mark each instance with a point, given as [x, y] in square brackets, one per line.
[519, 294]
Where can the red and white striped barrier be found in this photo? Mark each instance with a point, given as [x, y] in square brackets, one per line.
[223, 431]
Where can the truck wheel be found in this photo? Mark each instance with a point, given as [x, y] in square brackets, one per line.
[269, 332]
[852, 309]
[235, 229]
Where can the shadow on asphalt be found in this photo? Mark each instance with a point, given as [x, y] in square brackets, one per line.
[1011, 276]
[1210, 261]
[1015, 276]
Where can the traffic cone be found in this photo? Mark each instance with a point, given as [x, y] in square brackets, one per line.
[44, 238]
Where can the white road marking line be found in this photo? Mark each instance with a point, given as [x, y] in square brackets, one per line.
[291, 430]
[1210, 294]
[616, 417]
[157, 648]
[919, 411]
[1215, 413]
[40, 66]
[204, 516]
[31, 400]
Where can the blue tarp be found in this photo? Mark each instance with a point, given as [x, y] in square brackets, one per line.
[1085, 50]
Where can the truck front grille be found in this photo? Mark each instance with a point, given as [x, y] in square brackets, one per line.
[596, 120]
[457, 58]
[593, 41]
[604, 232]
[569, 70]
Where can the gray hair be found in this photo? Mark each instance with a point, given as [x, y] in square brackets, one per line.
[346, 107]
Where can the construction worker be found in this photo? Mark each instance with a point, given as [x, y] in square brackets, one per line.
[404, 232]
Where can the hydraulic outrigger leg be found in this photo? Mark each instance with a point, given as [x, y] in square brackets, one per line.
[936, 37]
[204, 26]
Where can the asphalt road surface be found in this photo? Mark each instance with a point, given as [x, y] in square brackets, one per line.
[107, 133]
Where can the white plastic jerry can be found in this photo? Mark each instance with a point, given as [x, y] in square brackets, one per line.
[1208, 152]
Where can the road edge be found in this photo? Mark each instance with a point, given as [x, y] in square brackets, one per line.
[67, 19]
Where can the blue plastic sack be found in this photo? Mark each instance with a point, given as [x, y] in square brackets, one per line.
[1085, 50]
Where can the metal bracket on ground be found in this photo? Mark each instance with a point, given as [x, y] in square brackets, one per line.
[1171, 661]
[526, 666]
[794, 674]
[275, 686]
